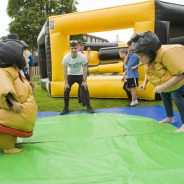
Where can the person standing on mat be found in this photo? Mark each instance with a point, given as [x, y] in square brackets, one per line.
[123, 55]
[131, 63]
[75, 71]
[164, 69]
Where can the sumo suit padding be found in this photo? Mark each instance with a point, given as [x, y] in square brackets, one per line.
[13, 82]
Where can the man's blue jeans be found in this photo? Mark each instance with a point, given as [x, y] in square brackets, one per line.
[177, 97]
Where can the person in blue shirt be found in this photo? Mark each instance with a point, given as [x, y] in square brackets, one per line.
[131, 64]
[123, 55]
[28, 72]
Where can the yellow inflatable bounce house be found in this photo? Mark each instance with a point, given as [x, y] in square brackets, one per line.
[53, 43]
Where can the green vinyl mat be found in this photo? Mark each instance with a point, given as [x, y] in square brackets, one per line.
[97, 149]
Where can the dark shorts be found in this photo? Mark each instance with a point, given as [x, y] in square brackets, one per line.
[132, 83]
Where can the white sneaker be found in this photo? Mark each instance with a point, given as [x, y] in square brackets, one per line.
[136, 101]
[133, 103]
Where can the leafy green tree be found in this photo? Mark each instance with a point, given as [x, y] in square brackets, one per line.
[28, 16]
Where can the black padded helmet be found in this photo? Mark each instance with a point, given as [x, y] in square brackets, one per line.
[146, 42]
[25, 45]
[13, 36]
[11, 53]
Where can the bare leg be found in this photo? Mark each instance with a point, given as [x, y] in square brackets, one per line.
[134, 97]
[181, 129]
[133, 93]
[167, 100]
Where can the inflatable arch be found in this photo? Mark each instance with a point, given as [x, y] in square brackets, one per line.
[165, 19]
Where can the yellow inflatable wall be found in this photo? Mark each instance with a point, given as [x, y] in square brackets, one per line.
[140, 16]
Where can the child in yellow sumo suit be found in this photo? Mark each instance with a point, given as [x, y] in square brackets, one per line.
[18, 108]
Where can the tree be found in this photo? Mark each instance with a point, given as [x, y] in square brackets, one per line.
[30, 15]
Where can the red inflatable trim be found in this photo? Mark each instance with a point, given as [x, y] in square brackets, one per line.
[14, 132]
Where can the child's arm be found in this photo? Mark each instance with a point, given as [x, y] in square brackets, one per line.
[124, 72]
[123, 77]
[126, 57]
[143, 86]
[136, 66]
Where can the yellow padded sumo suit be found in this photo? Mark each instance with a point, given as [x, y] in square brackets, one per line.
[13, 82]
[167, 64]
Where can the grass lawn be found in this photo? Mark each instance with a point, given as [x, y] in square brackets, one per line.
[47, 103]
